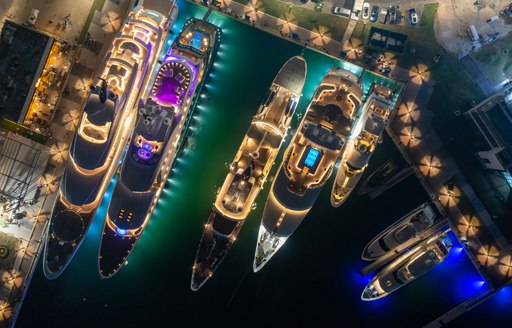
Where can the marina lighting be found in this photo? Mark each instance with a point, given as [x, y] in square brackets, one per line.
[503, 297]
[457, 251]
[121, 232]
[479, 284]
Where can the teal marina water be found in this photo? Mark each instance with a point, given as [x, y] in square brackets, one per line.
[314, 279]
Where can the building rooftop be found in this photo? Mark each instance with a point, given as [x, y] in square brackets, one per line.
[22, 55]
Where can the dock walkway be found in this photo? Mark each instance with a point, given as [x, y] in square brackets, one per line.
[436, 170]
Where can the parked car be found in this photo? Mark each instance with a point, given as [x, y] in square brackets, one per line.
[383, 17]
[341, 11]
[392, 15]
[374, 14]
[366, 10]
[413, 16]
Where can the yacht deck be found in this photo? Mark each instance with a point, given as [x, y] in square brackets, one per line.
[323, 133]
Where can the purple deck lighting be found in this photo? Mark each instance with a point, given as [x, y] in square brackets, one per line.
[170, 57]
[173, 80]
[144, 154]
[170, 92]
[167, 93]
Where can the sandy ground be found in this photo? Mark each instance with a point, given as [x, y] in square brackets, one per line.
[455, 16]
[52, 17]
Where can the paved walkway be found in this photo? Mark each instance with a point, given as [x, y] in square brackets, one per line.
[41, 109]
[319, 39]
[348, 31]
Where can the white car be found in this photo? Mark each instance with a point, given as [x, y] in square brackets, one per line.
[366, 10]
[413, 16]
[383, 17]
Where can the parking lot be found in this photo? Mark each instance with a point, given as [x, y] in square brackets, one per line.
[402, 7]
[401, 10]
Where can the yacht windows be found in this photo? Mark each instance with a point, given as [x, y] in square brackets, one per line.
[121, 215]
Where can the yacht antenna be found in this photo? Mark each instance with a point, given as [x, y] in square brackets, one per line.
[104, 91]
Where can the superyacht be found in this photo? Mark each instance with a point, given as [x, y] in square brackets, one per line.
[163, 117]
[309, 160]
[249, 169]
[102, 132]
[367, 133]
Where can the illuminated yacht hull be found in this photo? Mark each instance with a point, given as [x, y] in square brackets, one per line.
[366, 134]
[249, 169]
[408, 267]
[164, 115]
[309, 160]
[409, 227]
[100, 137]
[381, 176]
